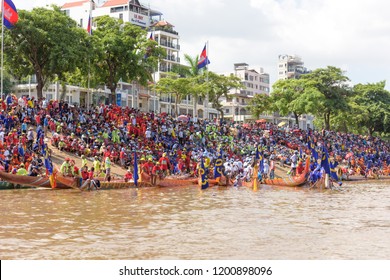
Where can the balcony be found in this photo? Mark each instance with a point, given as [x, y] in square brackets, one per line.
[165, 69]
[169, 45]
[173, 58]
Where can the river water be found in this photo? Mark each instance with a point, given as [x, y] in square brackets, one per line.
[187, 223]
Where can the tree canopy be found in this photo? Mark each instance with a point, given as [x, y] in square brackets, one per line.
[123, 52]
[44, 42]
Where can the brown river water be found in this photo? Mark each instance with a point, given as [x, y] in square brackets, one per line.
[190, 224]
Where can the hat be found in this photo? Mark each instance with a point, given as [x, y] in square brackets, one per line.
[67, 159]
[22, 165]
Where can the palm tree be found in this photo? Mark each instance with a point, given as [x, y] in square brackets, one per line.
[191, 71]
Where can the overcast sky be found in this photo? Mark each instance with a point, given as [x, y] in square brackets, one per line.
[353, 35]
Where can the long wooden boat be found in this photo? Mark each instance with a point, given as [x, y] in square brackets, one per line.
[291, 181]
[179, 181]
[104, 185]
[39, 181]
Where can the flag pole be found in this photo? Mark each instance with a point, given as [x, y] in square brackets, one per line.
[207, 81]
[2, 47]
[89, 26]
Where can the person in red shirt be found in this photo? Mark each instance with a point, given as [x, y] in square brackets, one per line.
[128, 176]
[165, 164]
[147, 167]
[156, 172]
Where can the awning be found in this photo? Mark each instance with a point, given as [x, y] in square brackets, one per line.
[281, 124]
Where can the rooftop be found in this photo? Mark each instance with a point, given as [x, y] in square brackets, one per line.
[74, 4]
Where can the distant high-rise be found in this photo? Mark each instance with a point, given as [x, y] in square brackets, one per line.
[290, 67]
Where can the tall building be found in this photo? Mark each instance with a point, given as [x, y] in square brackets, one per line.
[254, 82]
[290, 67]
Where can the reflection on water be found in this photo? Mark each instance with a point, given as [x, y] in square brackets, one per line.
[186, 223]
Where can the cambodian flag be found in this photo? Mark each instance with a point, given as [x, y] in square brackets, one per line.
[89, 26]
[10, 14]
[203, 59]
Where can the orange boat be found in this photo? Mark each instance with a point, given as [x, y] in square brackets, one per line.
[33, 181]
[105, 185]
[288, 181]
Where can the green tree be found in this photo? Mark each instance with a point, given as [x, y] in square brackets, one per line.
[289, 96]
[371, 107]
[331, 83]
[123, 52]
[44, 42]
[218, 86]
[191, 71]
[7, 83]
[179, 87]
[261, 103]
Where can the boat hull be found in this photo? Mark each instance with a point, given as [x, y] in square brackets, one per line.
[39, 182]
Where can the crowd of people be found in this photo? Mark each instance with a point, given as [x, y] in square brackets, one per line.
[164, 145]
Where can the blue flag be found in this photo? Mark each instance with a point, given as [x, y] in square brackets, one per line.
[259, 157]
[312, 148]
[218, 165]
[10, 14]
[204, 179]
[333, 173]
[325, 160]
[135, 175]
[47, 159]
[203, 59]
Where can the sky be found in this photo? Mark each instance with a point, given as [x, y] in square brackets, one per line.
[353, 35]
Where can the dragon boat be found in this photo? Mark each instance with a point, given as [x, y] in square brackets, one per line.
[32, 181]
[291, 181]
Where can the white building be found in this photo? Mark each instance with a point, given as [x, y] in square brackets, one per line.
[290, 67]
[254, 82]
[79, 11]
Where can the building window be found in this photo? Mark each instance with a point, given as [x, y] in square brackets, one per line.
[121, 16]
[140, 105]
[227, 111]
[117, 9]
[81, 22]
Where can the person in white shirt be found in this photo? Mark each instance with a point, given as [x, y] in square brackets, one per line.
[2, 133]
[265, 169]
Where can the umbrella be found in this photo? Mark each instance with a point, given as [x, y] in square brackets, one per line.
[261, 121]
[182, 118]
[281, 124]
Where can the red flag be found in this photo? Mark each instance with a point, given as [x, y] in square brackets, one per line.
[10, 14]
